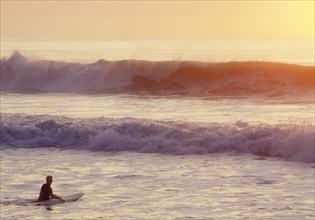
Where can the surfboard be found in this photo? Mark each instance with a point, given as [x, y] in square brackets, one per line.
[70, 198]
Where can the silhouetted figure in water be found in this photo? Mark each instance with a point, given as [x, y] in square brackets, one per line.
[46, 192]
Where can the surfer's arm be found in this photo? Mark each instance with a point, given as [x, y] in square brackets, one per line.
[53, 196]
[57, 197]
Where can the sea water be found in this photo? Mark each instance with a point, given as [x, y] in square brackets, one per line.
[130, 185]
[158, 130]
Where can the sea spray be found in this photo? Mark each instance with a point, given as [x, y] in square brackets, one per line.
[20, 74]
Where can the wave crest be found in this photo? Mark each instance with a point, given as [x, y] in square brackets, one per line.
[180, 77]
[292, 142]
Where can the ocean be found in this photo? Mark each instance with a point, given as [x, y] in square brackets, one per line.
[157, 129]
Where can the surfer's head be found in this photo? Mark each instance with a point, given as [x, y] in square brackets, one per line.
[49, 179]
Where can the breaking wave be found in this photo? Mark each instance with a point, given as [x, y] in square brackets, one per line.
[291, 142]
[21, 74]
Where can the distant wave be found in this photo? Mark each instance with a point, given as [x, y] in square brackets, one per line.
[292, 142]
[19, 74]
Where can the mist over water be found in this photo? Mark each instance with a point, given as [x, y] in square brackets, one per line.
[91, 50]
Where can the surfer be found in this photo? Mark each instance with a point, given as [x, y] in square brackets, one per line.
[46, 192]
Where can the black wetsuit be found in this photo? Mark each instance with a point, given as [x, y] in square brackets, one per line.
[45, 193]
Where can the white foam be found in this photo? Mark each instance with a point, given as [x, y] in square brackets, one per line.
[292, 142]
[19, 73]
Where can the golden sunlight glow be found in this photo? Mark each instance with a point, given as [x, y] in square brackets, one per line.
[174, 19]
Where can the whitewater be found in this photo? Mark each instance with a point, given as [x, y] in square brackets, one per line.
[148, 136]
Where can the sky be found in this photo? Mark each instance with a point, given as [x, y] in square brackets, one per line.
[273, 20]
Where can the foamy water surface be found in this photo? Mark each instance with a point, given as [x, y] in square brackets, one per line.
[153, 186]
